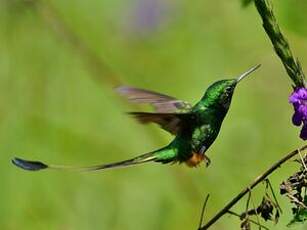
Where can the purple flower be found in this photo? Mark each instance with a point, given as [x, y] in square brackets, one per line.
[148, 14]
[299, 100]
[147, 17]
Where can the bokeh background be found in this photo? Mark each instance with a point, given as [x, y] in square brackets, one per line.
[59, 63]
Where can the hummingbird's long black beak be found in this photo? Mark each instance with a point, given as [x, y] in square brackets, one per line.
[248, 72]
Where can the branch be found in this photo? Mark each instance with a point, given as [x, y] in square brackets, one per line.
[258, 180]
[280, 43]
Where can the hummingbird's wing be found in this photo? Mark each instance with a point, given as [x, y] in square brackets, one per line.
[171, 122]
[162, 103]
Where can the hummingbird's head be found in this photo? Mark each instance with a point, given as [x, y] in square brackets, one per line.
[219, 94]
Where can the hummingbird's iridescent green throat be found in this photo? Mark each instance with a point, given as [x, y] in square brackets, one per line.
[195, 127]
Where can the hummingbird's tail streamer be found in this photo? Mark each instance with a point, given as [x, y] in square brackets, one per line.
[37, 165]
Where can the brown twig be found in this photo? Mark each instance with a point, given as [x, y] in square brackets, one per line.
[294, 200]
[258, 180]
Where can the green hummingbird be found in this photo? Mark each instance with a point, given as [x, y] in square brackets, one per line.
[195, 127]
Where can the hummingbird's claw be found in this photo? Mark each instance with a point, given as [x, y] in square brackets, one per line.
[207, 160]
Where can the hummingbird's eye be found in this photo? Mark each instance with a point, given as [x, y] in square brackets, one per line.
[229, 89]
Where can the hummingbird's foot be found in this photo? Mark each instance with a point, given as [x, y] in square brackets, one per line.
[207, 160]
[205, 157]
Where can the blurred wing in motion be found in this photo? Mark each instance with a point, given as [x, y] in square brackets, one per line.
[171, 122]
[161, 103]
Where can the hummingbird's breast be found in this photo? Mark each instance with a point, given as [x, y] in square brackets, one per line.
[206, 130]
[197, 137]
[203, 136]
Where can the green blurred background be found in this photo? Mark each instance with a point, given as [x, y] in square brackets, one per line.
[59, 63]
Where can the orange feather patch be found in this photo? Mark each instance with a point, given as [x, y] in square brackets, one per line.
[195, 160]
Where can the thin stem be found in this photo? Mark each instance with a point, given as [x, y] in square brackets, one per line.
[203, 211]
[248, 200]
[258, 180]
[256, 213]
[274, 196]
[302, 159]
[280, 43]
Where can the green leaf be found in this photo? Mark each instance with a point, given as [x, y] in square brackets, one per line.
[300, 215]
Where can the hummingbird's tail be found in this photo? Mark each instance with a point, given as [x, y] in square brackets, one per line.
[37, 165]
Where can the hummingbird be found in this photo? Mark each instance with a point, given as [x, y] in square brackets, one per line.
[195, 127]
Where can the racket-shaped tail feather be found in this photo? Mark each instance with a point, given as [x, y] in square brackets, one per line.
[162, 155]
